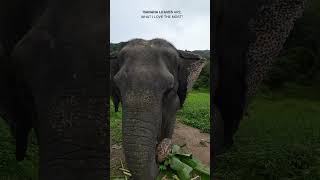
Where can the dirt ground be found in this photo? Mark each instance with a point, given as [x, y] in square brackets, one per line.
[195, 142]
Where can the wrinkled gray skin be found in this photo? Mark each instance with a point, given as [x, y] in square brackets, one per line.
[53, 80]
[151, 79]
[247, 36]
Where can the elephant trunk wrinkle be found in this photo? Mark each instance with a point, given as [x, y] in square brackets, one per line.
[140, 131]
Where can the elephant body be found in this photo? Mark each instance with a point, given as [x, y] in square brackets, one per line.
[151, 80]
[53, 78]
[248, 35]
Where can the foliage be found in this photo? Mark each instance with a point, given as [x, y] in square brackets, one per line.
[279, 139]
[184, 166]
[203, 80]
[297, 65]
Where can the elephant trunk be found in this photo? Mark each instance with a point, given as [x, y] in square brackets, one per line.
[140, 132]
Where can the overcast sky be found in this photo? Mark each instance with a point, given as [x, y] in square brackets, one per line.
[191, 31]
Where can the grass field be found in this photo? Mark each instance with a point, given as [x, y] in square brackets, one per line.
[196, 110]
[279, 140]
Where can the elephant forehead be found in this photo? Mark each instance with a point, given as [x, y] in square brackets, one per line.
[147, 48]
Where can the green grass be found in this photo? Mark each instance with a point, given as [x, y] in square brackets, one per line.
[279, 140]
[196, 110]
[10, 169]
[115, 124]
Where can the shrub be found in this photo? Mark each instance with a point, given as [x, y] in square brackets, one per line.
[296, 65]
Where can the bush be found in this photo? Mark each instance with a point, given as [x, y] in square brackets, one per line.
[297, 65]
[203, 80]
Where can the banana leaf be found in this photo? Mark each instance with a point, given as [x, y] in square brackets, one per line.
[197, 166]
[182, 169]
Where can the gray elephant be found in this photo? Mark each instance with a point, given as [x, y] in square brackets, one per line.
[151, 80]
[247, 36]
[53, 78]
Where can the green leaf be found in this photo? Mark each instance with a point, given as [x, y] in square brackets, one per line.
[162, 167]
[197, 166]
[182, 169]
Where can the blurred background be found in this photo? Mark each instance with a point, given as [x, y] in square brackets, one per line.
[280, 139]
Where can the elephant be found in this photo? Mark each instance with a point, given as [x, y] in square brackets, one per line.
[247, 36]
[54, 79]
[150, 78]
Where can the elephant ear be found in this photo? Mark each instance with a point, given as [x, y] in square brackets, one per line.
[271, 27]
[114, 68]
[115, 92]
[190, 66]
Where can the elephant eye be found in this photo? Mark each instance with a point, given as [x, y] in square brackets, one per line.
[168, 91]
[169, 87]
[171, 84]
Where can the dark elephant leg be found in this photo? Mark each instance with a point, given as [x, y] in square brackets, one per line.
[16, 106]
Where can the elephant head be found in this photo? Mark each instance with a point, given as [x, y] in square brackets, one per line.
[151, 80]
[247, 36]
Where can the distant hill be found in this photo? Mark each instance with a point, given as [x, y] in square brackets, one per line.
[203, 53]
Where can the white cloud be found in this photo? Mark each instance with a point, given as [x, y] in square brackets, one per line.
[191, 32]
